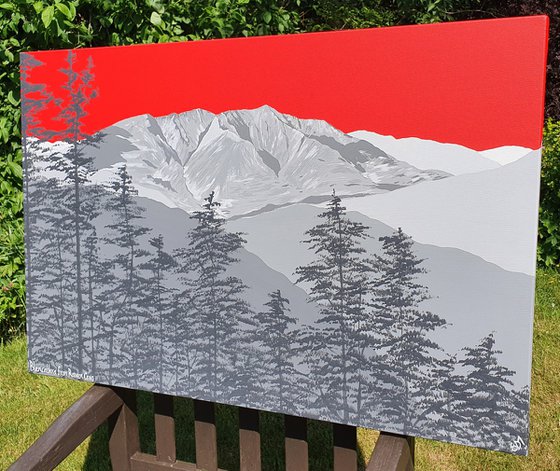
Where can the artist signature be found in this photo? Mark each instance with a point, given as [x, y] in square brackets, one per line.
[517, 444]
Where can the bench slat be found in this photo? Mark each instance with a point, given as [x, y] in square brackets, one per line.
[145, 462]
[164, 421]
[249, 440]
[205, 435]
[344, 448]
[295, 431]
[70, 429]
[124, 438]
[392, 453]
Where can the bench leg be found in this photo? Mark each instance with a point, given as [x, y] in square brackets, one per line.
[392, 453]
[124, 440]
[295, 431]
[344, 444]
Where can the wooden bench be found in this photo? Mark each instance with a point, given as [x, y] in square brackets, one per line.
[118, 407]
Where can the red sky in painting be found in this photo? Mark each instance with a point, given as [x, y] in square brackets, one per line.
[477, 83]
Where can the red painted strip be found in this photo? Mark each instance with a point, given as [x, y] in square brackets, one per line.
[476, 83]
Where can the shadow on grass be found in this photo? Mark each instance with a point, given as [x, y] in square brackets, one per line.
[272, 438]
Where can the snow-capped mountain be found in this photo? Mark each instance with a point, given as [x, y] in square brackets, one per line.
[251, 159]
[490, 214]
[506, 154]
[426, 154]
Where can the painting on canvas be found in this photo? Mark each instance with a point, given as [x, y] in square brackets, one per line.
[340, 226]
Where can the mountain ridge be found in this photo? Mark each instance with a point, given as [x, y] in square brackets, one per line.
[464, 297]
[425, 153]
[251, 158]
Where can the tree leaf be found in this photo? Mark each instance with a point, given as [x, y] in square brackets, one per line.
[12, 99]
[64, 10]
[155, 19]
[47, 16]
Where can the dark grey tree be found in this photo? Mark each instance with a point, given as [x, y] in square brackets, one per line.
[184, 338]
[398, 302]
[98, 283]
[338, 279]
[34, 99]
[487, 393]
[441, 411]
[158, 327]
[216, 297]
[128, 293]
[54, 329]
[76, 166]
[92, 277]
[516, 419]
[275, 338]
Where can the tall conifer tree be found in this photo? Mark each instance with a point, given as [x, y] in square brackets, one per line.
[128, 293]
[275, 340]
[158, 326]
[487, 391]
[34, 99]
[77, 167]
[338, 279]
[398, 298]
[216, 298]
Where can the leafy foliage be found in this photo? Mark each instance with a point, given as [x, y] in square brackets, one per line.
[12, 280]
[549, 220]
[55, 24]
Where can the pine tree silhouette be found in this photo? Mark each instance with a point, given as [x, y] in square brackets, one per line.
[159, 325]
[185, 336]
[487, 392]
[398, 297]
[276, 342]
[77, 168]
[54, 324]
[441, 409]
[34, 99]
[93, 279]
[216, 299]
[338, 280]
[128, 294]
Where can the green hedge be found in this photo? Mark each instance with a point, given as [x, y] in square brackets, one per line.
[55, 24]
[549, 218]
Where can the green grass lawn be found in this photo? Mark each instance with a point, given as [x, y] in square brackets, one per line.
[29, 403]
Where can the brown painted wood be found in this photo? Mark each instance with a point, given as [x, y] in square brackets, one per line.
[295, 431]
[165, 428]
[412, 449]
[205, 436]
[118, 405]
[344, 448]
[249, 440]
[124, 439]
[70, 429]
[392, 453]
[144, 462]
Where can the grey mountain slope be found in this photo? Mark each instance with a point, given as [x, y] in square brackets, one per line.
[492, 214]
[425, 154]
[475, 296]
[183, 131]
[174, 224]
[154, 166]
[250, 158]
